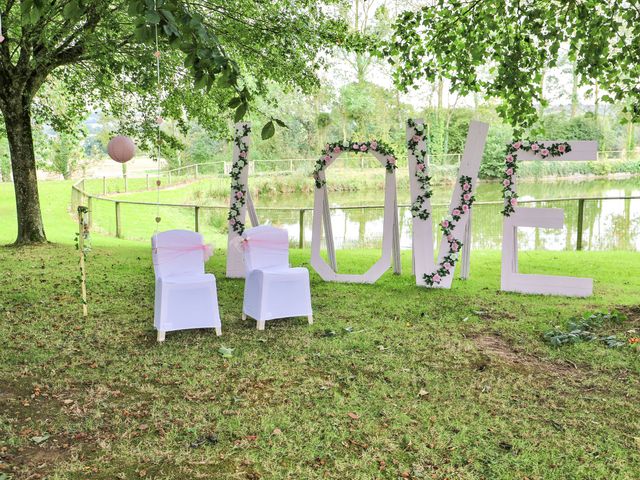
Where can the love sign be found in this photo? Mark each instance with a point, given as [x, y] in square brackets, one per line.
[455, 244]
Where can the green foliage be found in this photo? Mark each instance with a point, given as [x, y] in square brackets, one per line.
[584, 329]
[503, 48]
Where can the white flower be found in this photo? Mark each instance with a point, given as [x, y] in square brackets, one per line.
[419, 127]
[345, 144]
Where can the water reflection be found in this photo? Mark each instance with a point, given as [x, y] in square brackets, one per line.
[609, 224]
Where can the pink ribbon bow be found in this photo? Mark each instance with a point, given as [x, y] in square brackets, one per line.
[172, 252]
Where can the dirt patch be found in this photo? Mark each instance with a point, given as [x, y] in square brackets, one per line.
[633, 316]
[494, 347]
[29, 411]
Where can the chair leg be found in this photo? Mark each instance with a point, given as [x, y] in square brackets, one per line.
[218, 331]
[161, 334]
[260, 324]
[310, 318]
[244, 316]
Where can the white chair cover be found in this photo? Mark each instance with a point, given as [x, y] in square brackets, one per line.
[186, 297]
[272, 289]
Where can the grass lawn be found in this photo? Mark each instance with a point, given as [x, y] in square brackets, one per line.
[392, 381]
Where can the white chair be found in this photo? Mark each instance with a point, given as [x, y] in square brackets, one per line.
[272, 289]
[186, 297]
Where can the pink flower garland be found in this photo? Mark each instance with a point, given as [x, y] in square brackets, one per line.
[508, 178]
[418, 209]
[239, 191]
[447, 226]
[332, 150]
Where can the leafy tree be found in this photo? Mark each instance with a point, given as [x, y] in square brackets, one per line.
[102, 52]
[457, 39]
[66, 155]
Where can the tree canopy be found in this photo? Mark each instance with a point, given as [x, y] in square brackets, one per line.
[215, 55]
[502, 47]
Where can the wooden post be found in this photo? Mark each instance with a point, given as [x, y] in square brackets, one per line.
[90, 212]
[580, 223]
[301, 237]
[118, 221]
[197, 218]
[82, 229]
[125, 183]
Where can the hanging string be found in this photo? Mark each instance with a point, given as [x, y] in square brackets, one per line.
[158, 121]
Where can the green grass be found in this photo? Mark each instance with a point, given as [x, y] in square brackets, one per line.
[391, 381]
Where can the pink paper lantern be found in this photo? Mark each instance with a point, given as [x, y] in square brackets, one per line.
[121, 149]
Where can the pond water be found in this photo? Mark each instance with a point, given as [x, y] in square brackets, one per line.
[609, 223]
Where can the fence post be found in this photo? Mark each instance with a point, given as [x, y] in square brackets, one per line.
[118, 221]
[301, 237]
[197, 218]
[90, 211]
[104, 185]
[580, 223]
[125, 182]
[147, 181]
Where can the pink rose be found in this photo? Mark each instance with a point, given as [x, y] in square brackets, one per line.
[514, 201]
[450, 238]
[466, 197]
[535, 147]
[456, 212]
[436, 278]
[509, 171]
[562, 148]
[447, 265]
[506, 182]
[374, 145]
[509, 158]
[544, 152]
[466, 187]
[420, 166]
[517, 145]
[465, 208]
[232, 221]
[392, 160]
[454, 247]
[242, 154]
[363, 148]
[336, 150]
[355, 146]
[239, 194]
[445, 223]
[327, 158]
[416, 138]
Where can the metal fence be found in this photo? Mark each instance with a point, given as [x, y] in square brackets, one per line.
[593, 223]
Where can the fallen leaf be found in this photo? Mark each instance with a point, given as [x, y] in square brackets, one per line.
[353, 415]
[226, 352]
[276, 431]
[41, 439]
[423, 393]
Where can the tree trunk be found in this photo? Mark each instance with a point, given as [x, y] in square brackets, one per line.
[17, 117]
